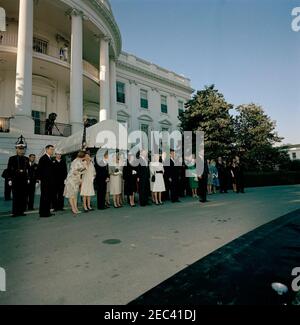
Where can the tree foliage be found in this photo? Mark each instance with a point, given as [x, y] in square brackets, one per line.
[208, 111]
[250, 134]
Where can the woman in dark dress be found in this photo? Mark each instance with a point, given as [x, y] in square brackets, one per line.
[234, 174]
[130, 179]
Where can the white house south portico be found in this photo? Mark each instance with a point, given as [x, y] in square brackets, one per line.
[23, 96]
[64, 57]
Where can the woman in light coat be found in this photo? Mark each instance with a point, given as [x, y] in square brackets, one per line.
[213, 171]
[157, 182]
[116, 182]
[87, 186]
[73, 181]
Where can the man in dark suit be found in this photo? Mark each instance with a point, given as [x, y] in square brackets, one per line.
[101, 180]
[222, 175]
[60, 172]
[143, 179]
[202, 183]
[173, 173]
[165, 162]
[18, 178]
[32, 173]
[46, 176]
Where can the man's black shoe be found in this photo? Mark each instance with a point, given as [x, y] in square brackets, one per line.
[50, 215]
[18, 215]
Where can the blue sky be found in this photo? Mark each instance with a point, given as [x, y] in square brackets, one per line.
[247, 48]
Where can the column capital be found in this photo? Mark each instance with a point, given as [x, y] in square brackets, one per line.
[74, 12]
[106, 38]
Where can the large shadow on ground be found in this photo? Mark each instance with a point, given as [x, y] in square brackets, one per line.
[239, 273]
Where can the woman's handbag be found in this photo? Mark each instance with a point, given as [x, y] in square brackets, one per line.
[153, 178]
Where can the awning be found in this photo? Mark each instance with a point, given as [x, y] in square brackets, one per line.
[109, 133]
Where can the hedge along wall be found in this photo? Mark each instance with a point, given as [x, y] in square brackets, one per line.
[254, 179]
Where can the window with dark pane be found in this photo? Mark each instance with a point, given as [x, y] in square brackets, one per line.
[144, 98]
[164, 105]
[120, 92]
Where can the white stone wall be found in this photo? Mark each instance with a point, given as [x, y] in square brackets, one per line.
[55, 91]
[7, 92]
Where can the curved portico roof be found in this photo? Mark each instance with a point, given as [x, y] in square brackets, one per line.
[92, 10]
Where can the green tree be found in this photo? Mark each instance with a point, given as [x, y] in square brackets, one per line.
[256, 136]
[208, 111]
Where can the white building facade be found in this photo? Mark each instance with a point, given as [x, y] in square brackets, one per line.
[65, 57]
[294, 151]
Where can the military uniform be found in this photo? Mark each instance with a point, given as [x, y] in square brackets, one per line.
[18, 176]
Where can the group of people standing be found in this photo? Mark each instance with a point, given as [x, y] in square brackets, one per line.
[224, 176]
[159, 179]
[217, 176]
[24, 175]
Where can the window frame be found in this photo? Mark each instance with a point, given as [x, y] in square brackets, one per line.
[123, 98]
[164, 107]
[144, 100]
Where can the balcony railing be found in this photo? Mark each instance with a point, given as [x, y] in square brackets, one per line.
[57, 129]
[4, 124]
[40, 46]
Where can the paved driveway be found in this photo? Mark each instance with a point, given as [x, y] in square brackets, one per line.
[63, 260]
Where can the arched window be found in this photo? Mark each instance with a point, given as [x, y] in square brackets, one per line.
[2, 20]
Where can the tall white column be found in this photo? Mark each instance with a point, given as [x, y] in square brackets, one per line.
[113, 87]
[133, 104]
[104, 80]
[76, 78]
[23, 122]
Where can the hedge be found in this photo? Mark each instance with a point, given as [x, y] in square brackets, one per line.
[255, 179]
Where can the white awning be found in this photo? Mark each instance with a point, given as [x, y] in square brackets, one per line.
[109, 133]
